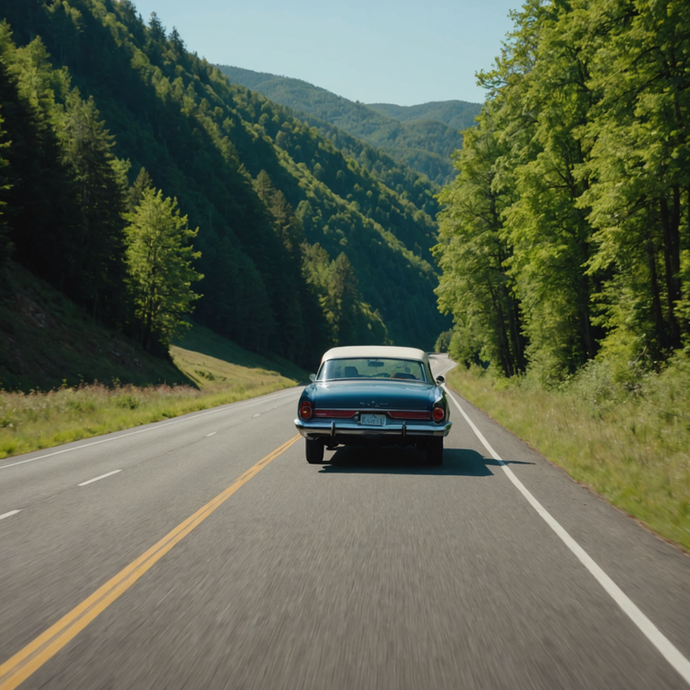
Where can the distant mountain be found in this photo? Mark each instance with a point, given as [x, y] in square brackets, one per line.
[456, 114]
[424, 143]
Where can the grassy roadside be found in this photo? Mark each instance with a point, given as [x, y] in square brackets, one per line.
[219, 372]
[630, 445]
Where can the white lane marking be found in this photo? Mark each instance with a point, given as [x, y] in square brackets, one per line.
[668, 650]
[257, 415]
[10, 514]
[213, 433]
[97, 479]
[153, 427]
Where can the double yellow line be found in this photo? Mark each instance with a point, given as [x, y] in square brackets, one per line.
[28, 660]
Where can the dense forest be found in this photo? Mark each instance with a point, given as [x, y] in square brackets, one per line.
[271, 235]
[566, 235]
[422, 137]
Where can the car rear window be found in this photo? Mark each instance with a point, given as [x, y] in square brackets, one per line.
[375, 368]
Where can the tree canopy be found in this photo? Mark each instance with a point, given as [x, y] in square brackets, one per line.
[574, 193]
[159, 268]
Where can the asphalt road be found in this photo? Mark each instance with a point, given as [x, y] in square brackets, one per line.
[372, 571]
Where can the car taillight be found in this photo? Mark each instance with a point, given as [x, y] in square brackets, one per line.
[305, 409]
[439, 413]
[408, 414]
[338, 414]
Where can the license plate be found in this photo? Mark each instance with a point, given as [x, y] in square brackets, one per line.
[372, 419]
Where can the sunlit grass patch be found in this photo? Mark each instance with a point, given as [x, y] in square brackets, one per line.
[630, 443]
[36, 420]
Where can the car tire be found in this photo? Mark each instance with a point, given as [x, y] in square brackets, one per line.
[434, 451]
[314, 451]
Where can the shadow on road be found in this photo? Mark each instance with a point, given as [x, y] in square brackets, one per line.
[456, 462]
[496, 463]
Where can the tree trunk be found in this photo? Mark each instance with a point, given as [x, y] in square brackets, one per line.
[656, 298]
[670, 224]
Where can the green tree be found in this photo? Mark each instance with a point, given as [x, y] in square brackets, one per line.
[42, 210]
[65, 210]
[135, 194]
[96, 260]
[443, 341]
[160, 270]
[589, 176]
[539, 99]
[473, 253]
[640, 163]
[548, 227]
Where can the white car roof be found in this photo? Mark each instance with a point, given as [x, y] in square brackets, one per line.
[376, 351]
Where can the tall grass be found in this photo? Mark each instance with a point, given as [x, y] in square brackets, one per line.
[628, 438]
[219, 372]
[32, 421]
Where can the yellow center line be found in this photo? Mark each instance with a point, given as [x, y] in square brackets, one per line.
[28, 660]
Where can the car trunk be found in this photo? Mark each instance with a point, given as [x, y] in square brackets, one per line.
[373, 395]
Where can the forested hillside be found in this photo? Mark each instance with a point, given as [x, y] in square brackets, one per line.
[566, 236]
[456, 114]
[425, 144]
[108, 122]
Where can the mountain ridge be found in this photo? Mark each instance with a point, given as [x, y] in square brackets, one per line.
[454, 113]
[424, 143]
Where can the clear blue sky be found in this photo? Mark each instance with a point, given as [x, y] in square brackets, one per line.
[387, 51]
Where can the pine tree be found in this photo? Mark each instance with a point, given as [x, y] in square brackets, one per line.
[97, 253]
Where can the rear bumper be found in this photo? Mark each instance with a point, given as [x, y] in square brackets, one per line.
[346, 431]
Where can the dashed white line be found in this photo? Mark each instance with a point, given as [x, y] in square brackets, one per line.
[213, 433]
[256, 415]
[10, 514]
[96, 479]
[667, 649]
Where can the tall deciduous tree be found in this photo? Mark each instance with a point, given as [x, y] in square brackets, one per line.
[473, 252]
[640, 201]
[550, 233]
[160, 270]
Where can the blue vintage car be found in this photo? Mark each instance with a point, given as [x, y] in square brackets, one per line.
[374, 395]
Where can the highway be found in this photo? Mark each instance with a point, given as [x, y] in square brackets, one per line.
[204, 552]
